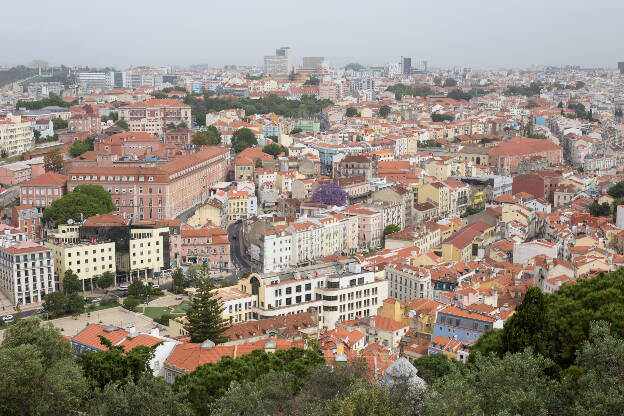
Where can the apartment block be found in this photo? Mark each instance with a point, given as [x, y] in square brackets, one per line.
[26, 272]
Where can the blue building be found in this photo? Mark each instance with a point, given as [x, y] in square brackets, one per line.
[272, 130]
[195, 87]
[462, 324]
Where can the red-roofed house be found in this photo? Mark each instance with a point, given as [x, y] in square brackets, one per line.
[385, 331]
[42, 190]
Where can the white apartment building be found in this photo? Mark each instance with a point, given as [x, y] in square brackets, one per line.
[406, 282]
[306, 240]
[16, 136]
[336, 291]
[26, 271]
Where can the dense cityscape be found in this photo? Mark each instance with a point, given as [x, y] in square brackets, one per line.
[296, 237]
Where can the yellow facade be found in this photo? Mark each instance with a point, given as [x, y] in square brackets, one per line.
[438, 193]
[146, 249]
[87, 260]
[237, 207]
[452, 253]
[412, 145]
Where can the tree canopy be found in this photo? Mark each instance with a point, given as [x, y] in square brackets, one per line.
[384, 111]
[54, 100]
[558, 324]
[331, 194]
[274, 149]
[242, 139]
[352, 112]
[391, 229]
[204, 316]
[88, 200]
[208, 137]
[79, 147]
[401, 90]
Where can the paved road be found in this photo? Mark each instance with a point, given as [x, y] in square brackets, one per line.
[240, 263]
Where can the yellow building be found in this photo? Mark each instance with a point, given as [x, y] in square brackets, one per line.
[419, 314]
[65, 233]
[212, 211]
[16, 136]
[86, 259]
[438, 193]
[442, 169]
[412, 145]
[465, 244]
[146, 251]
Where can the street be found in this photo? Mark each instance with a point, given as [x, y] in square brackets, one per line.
[240, 264]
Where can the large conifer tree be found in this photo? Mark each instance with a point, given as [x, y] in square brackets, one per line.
[204, 315]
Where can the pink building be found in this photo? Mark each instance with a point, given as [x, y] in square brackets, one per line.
[504, 158]
[205, 245]
[157, 192]
[134, 143]
[41, 191]
[370, 226]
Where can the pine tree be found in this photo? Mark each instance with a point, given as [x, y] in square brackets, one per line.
[204, 315]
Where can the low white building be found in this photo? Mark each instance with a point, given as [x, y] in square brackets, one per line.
[523, 252]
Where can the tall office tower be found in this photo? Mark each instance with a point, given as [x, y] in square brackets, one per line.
[278, 64]
[621, 67]
[407, 65]
[314, 62]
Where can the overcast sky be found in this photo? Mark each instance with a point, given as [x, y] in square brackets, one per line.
[447, 33]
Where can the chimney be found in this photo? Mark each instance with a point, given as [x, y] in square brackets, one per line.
[155, 332]
[130, 328]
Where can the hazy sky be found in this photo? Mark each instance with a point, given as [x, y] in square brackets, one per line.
[475, 33]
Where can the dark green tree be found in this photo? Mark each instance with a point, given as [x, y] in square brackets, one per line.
[114, 364]
[123, 124]
[55, 304]
[450, 82]
[617, 190]
[516, 384]
[432, 367]
[437, 117]
[275, 149]
[352, 112]
[179, 280]
[59, 124]
[75, 304]
[391, 229]
[242, 139]
[106, 280]
[71, 283]
[148, 396]
[527, 327]
[296, 130]
[130, 303]
[204, 316]
[384, 111]
[83, 202]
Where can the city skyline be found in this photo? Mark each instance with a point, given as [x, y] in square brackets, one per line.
[556, 33]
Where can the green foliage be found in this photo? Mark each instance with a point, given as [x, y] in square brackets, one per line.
[491, 342]
[432, 367]
[71, 283]
[59, 124]
[204, 315]
[450, 82]
[54, 100]
[106, 280]
[123, 124]
[401, 90]
[275, 149]
[79, 147]
[75, 304]
[384, 111]
[565, 318]
[600, 210]
[429, 143]
[533, 89]
[55, 304]
[471, 211]
[537, 136]
[179, 281]
[437, 117]
[305, 107]
[296, 130]
[391, 229]
[458, 94]
[210, 382]
[312, 81]
[130, 303]
[53, 161]
[267, 395]
[114, 364]
[617, 190]
[352, 112]
[112, 116]
[242, 139]
[88, 200]
[209, 137]
[16, 73]
[513, 385]
[354, 66]
[39, 373]
[148, 396]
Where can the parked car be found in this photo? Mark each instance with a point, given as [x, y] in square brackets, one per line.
[96, 300]
[7, 318]
[123, 287]
[155, 287]
[40, 310]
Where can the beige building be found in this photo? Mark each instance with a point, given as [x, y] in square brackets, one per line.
[16, 136]
[85, 259]
[146, 252]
